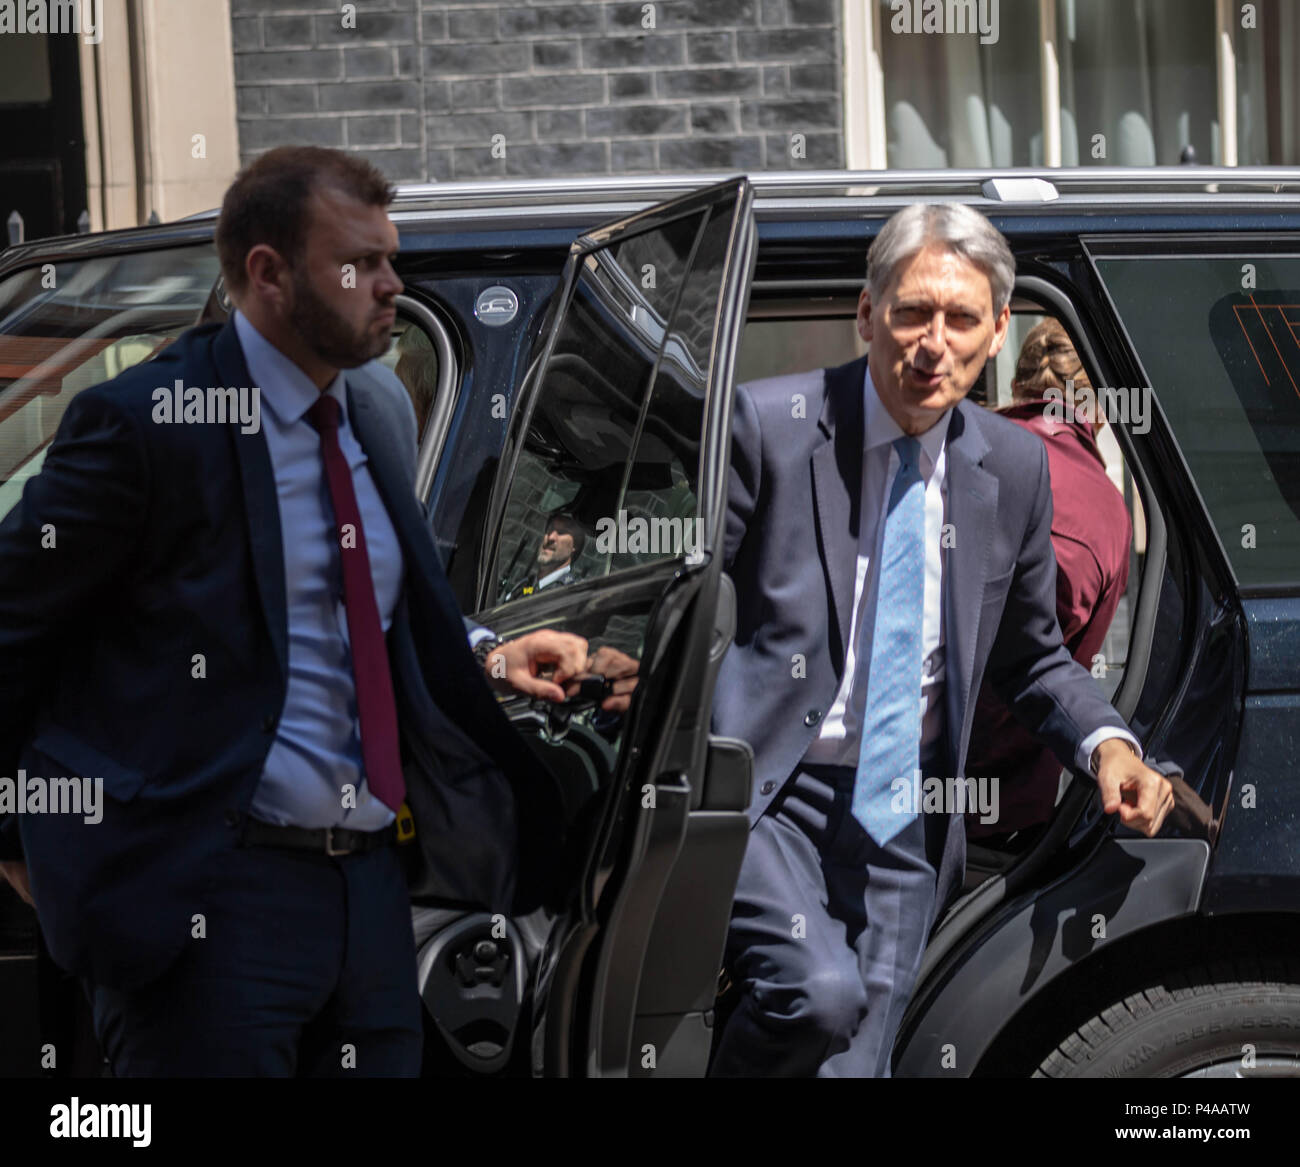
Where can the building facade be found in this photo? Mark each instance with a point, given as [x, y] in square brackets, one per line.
[115, 110]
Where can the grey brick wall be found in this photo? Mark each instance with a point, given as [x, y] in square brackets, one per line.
[435, 90]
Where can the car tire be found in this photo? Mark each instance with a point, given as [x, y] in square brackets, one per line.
[1235, 1019]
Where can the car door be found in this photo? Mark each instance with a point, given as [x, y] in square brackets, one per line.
[1223, 359]
[623, 428]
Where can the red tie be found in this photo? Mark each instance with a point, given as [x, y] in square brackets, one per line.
[375, 705]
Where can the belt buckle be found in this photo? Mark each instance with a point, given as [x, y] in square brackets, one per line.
[330, 849]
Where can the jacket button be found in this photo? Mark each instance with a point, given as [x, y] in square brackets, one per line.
[268, 723]
[812, 717]
[767, 788]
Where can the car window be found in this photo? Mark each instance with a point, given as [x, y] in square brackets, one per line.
[413, 358]
[1219, 340]
[774, 347]
[67, 326]
[612, 442]
[608, 476]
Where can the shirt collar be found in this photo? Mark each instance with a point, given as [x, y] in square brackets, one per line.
[281, 383]
[556, 574]
[881, 429]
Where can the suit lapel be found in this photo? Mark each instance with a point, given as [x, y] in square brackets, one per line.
[261, 503]
[423, 571]
[837, 488]
[394, 488]
[972, 511]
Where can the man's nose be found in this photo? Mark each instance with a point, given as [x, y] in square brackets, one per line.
[935, 339]
[389, 283]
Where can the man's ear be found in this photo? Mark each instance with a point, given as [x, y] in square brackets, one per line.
[864, 315]
[1001, 328]
[265, 272]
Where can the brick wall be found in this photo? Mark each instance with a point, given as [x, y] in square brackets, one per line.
[435, 90]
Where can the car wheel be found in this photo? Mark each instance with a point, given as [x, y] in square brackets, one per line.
[1239, 1020]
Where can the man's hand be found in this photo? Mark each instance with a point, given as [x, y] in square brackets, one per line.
[537, 664]
[620, 673]
[16, 873]
[1141, 795]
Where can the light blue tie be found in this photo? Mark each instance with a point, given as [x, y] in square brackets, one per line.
[891, 723]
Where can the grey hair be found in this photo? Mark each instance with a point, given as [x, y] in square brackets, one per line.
[954, 226]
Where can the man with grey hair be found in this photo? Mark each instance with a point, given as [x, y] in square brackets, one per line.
[862, 639]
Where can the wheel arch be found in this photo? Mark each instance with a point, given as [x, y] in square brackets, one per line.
[1124, 967]
[1020, 955]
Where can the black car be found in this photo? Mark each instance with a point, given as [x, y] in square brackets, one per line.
[572, 345]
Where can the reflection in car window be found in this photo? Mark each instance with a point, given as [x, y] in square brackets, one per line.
[66, 327]
[414, 360]
[1224, 362]
[603, 445]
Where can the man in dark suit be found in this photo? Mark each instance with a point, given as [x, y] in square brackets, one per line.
[890, 546]
[241, 630]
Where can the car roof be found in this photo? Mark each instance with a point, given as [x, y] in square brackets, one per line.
[1030, 201]
[871, 191]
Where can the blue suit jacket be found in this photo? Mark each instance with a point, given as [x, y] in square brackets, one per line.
[794, 502]
[167, 544]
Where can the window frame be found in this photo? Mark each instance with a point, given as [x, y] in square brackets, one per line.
[446, 393]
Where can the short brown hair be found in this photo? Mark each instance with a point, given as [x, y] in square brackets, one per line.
[1047, 359]
[267, 202]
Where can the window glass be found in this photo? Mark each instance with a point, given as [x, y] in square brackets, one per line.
[1267, 47]
[951, 99]
[1224, 362]
[606, 454]
[774, 348]
[25, 66]
[66, 327]
[1138, 82]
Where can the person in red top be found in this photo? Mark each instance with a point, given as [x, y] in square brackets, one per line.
[1091, 535]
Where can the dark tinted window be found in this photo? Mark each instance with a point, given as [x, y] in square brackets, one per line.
[1220, 341]
[613, 439]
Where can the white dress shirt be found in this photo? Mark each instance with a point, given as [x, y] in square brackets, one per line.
[553, 577]
[838, 741]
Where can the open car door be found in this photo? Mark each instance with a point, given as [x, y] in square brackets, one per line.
[624, 428]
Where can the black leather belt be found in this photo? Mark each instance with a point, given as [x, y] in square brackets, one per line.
[326, 840]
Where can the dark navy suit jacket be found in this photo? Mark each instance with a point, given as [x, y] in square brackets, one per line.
[167, 544]
[794, 502]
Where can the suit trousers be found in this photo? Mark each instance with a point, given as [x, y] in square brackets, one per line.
[305, 966]
[826, 935]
